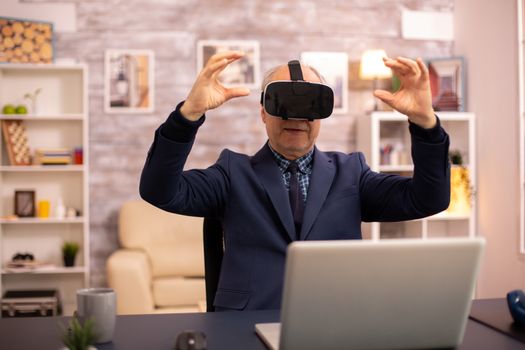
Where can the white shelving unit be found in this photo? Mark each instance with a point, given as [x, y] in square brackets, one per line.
[390, 129]
[61, 121]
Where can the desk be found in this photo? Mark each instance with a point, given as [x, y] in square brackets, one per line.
[494, 313]
[224, 330]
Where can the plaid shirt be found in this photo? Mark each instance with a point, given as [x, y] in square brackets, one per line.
[305, 170]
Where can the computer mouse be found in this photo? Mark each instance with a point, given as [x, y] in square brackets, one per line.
[191, 340]
[516, 303]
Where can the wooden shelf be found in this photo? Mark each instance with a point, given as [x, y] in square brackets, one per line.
[22, 221]
[43, 66]
[43, 117]
[41, 168]
[47, 270]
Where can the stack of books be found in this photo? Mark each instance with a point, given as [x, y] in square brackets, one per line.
[52, 156]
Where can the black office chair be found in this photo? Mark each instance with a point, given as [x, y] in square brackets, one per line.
[213, 252]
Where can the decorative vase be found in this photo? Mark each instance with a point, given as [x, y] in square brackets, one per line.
[459, 191]
[34, 107]
[69, 260]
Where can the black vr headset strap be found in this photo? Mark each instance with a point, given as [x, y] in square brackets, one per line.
[295, 74]
[295, 70]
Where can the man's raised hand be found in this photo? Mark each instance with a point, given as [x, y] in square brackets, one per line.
[414, 98]
[207, 91]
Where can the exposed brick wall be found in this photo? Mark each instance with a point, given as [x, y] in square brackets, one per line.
[118, 143]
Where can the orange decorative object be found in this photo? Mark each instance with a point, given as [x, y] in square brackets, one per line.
[44, 209]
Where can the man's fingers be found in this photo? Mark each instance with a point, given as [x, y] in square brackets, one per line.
[423, 68]
[209, 70]
[409, 63]
[236, 92]
[385, 96]
[222, 67]
[403, 65]
[396, 66]
[224, 54]
[213, 69]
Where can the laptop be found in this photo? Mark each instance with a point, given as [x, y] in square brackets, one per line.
[387, 294]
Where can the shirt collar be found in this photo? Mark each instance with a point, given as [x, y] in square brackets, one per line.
[304, 163]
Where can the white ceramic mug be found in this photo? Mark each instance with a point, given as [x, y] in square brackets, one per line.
[99, 304]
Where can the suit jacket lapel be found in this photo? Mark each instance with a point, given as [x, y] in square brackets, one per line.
[323, 172]
[270, 176]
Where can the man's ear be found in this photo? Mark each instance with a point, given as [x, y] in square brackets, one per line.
[263, 115]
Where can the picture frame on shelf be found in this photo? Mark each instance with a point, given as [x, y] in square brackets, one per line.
[129, 81]
[24, 205]
[26, 41]
[244, 72]
[447, 82]
[333, 66]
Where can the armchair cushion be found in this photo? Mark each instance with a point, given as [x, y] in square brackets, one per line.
[172, 242]
[129, 274]
[177, 256]
[160, 267]
[178, 291]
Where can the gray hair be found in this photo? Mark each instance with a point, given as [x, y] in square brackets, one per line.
[269, 74]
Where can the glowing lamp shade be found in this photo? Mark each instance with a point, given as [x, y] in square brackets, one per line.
[372, 66]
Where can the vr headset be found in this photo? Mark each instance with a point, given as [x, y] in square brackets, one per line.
[296, 98]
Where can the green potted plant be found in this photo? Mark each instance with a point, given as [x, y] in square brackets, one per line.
[79, 335]
[455, 157]
[69, 252]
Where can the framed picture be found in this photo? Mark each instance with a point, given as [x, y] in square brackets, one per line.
[447, 82]
[244, 72]
[25, 41]
[24, 203]
[333, 66]
[129, 85]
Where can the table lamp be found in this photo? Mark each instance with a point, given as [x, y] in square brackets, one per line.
[372, 67]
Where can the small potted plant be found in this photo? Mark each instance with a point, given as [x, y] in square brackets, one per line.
[79, 335]
[69, 252]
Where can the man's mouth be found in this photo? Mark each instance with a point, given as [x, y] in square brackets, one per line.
[294, 131]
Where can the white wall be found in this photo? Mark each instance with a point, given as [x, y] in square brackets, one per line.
[486, 35]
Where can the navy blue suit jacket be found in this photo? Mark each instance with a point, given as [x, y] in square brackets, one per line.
[248, 195]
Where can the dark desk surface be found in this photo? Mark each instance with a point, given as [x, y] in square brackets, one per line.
[224, 330]
[494, 313]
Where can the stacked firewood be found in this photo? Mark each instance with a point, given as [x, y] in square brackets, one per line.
[25, 41]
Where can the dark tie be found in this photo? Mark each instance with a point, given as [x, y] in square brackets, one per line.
[296, 198]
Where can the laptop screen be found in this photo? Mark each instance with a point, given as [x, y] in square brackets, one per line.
[378, 294]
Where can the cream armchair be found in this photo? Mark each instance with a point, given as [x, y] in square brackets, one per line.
[160, 267]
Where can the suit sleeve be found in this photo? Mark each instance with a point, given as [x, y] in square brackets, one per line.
[164, 184]
[387, 197]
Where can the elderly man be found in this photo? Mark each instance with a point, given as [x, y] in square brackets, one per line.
[289, 190]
